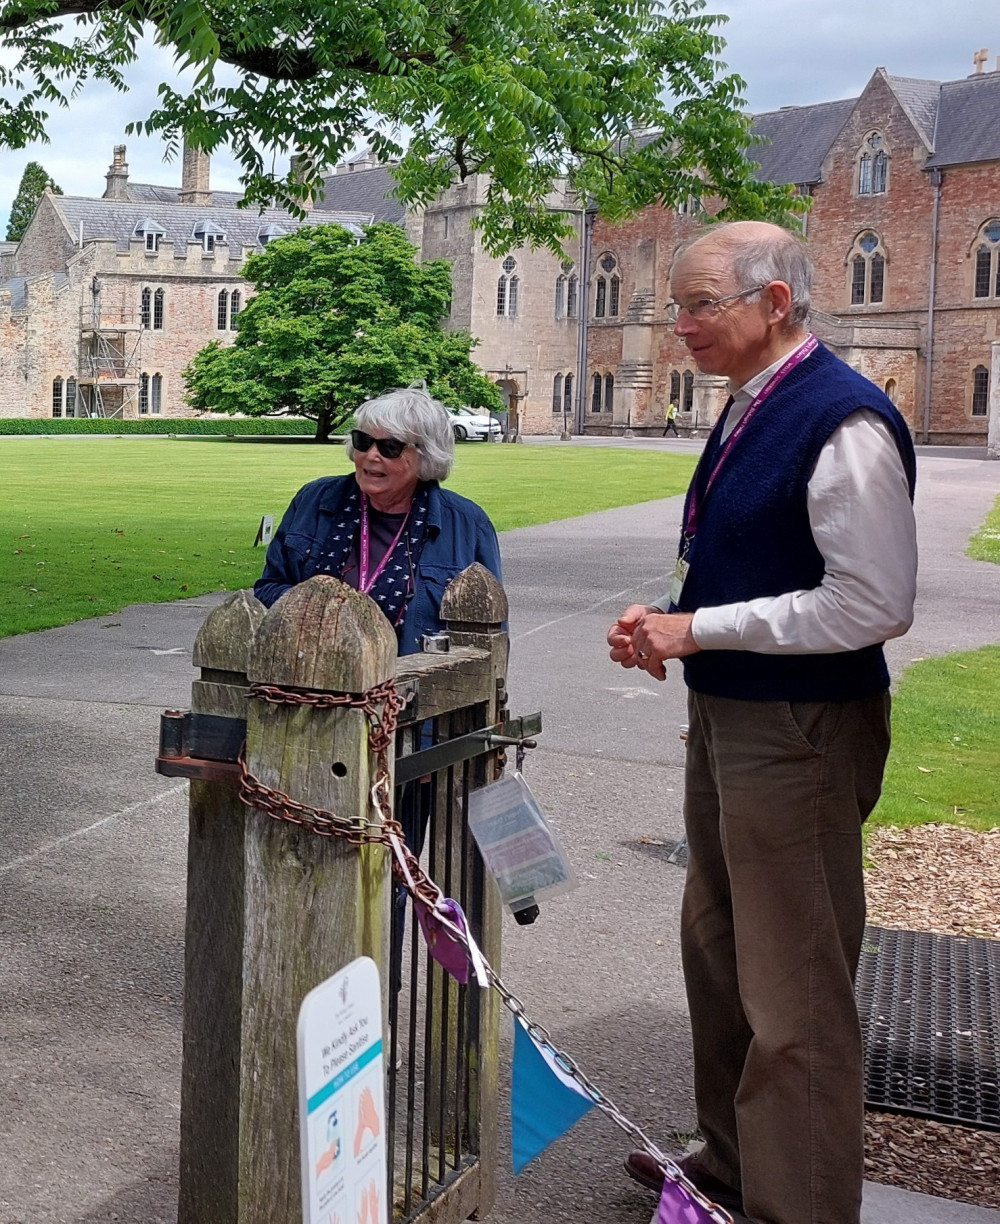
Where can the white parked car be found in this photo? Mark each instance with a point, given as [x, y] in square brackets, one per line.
[474, 423]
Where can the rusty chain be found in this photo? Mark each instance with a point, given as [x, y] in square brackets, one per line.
[407, 871]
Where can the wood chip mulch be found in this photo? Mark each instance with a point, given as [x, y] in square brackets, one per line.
[945, 879]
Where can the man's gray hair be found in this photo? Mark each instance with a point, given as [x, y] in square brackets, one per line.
[412, 415]
[769, 254]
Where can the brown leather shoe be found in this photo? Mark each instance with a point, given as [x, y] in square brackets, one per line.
[641, 1167]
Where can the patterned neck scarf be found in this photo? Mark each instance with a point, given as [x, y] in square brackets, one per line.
[395, 586]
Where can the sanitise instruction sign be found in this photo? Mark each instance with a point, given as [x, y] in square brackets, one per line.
[341, 1111]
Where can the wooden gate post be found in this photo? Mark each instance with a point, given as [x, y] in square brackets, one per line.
[294, 907]
[213, 941]
[475, 608]
[312, 904]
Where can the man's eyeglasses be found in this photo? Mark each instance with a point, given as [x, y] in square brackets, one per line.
[388, 448]
[704, 308]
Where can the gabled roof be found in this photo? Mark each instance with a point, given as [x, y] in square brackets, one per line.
[920, 101]
[118, 219]
[968, 121]
[158, 194]
[799, 138]
[368, 191]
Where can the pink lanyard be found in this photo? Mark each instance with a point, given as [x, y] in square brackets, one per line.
[695, 505]
[365, 583]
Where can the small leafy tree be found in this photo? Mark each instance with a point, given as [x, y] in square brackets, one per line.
[34, 180]
[333, 322]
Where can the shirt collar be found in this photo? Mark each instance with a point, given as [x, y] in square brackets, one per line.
[753, 386]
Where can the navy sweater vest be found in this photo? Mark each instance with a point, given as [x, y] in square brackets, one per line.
[753, 537]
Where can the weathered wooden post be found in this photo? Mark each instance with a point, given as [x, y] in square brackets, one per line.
[283, 910]
[213, 943]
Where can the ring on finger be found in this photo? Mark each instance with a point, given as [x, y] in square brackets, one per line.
[642, 654]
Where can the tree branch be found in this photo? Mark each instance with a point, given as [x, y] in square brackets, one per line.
[285, 62]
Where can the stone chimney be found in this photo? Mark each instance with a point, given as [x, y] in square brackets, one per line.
[979, 59]
[117, 176]
[298, 167]
[195, 170]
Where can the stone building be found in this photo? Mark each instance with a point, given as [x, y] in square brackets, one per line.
[524, 306]
[904, 228]
[105, 301]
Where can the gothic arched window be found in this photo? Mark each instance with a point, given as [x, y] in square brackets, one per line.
[609, 392]
[57, 397]
[595, 396]
[675, 387]
[222, 311]
[688, 403]
[980, 391]
[873, 166]
[158, 310]
[607, 288]
[986, 282]
[557, 386]
[507, 289]
[867, 261]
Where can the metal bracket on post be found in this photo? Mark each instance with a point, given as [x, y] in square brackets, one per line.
[202, 746]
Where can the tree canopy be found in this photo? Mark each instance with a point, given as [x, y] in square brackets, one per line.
[34, 181]
[522, 91]
[334, 322]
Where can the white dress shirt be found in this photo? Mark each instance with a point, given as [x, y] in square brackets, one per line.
[862, 522]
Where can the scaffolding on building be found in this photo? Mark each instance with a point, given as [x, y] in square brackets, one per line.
[110, 343]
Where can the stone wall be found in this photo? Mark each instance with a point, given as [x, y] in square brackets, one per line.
[523, 352]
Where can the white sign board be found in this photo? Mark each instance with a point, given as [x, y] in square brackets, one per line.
[341, 1099]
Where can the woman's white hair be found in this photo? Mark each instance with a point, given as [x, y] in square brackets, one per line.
[412, 415]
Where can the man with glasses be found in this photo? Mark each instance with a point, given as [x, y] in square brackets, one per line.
[797, 560]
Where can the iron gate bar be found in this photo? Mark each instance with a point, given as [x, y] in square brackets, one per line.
[930, 1018]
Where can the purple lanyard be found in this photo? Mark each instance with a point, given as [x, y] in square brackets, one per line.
[695, 505]
[365, 583]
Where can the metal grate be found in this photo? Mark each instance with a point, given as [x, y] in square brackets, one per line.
[930, 1018]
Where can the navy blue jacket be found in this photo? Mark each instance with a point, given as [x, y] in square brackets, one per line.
[753, 537]
[459, 533]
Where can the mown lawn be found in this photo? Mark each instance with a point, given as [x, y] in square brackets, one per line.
[88, 525]
[985, 544]
[945, 758]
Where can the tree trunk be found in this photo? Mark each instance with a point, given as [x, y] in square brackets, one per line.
[324, 423]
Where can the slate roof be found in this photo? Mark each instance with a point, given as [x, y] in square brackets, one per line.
[367, 191]
[920, 101]
[968, 121]
[799, 139]
[170, 195]
[17, 287]
[117, 219]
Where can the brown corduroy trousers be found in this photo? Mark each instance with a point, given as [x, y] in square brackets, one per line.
[771, 929]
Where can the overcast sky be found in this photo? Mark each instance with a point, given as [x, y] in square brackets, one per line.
[790, 52]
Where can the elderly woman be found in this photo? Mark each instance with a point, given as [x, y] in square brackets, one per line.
[389, 529]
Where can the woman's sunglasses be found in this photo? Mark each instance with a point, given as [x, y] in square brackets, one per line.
[388, 448]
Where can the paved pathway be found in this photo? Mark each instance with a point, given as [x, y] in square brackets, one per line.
[92, 871]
